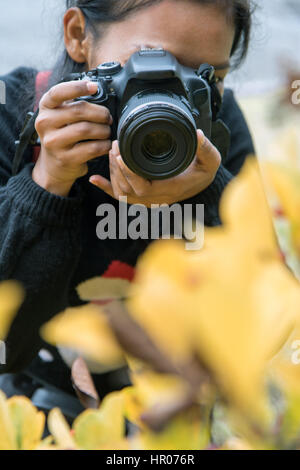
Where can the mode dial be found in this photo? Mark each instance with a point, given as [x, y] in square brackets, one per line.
[109, 68]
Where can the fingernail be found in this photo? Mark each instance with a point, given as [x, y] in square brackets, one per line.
[92, 87]
[201, 135]
[115, 148]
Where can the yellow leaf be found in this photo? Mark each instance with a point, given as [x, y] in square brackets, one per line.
[133, 406]
[236, 334]
[286, 183]
[247, 217]
[28, 423]
[11, 297]
[285, 370]
[162, 295]
[182, 433]
[152, 388]
[47, 444]
[235, 443]
[101, 288]
[85, 329]
[21, 424]
[60, 430]
[7, 432]
[223, 302]
[290, 426]
[96, 429]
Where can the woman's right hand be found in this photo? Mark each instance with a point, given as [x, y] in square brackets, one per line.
[71, 134]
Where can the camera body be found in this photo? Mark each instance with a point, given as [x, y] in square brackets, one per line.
[157, 105]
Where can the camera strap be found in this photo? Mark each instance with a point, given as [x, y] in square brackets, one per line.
[220, 132]
[221, 137]
[28, 135]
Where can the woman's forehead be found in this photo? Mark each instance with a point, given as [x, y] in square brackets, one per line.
[194, 33]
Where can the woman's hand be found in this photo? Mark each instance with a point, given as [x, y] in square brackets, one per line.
[71, 134]
[197, 177]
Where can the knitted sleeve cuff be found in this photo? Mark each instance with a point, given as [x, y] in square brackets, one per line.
[211, 196]
[213, 193]
[44, 208]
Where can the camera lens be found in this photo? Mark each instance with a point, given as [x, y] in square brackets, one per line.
[158, 145]
[157, 134]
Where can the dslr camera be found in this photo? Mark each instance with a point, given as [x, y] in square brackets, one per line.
[158, 105]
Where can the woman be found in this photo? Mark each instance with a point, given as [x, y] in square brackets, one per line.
[48, 210]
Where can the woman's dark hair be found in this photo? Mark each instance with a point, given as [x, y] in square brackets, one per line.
[100, 13]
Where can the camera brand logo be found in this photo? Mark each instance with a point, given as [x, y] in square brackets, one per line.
[2, 353]
[2, 92]
[136, 221]
[296, 94]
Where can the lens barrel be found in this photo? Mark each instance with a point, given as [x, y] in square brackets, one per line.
[157, 134]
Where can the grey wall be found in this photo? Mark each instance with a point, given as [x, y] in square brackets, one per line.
[275, 44]
[29, 33]
[29, 36]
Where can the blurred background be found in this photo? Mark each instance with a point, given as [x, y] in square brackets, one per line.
[30, 34]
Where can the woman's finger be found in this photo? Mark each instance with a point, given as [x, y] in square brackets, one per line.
[85, 151]
[207, 156]
[62, 92]
[118, 177]
[140, 185]
[78, 132]
[76, 111]
[102, 183]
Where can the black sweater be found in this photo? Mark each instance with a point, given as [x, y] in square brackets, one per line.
[49, 243]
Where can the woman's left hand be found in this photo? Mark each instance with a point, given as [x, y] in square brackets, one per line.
[197, 177]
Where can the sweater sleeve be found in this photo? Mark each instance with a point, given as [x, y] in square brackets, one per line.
[241, 146]
[39, 239]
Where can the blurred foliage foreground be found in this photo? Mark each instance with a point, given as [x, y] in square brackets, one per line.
[212, 337]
